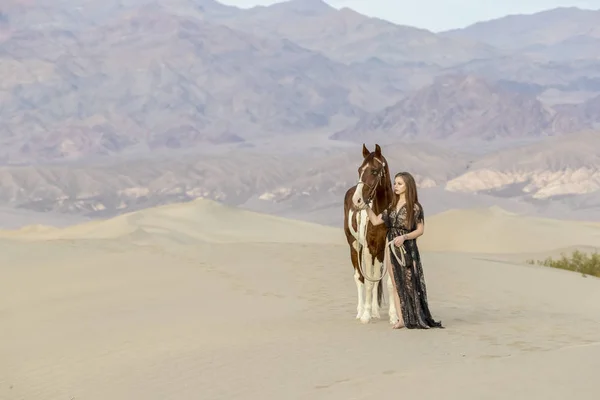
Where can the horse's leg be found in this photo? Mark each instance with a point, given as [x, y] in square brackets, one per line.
[376, 275]
[360, 290]
[359, 285]
[368, 268]
[393, 313]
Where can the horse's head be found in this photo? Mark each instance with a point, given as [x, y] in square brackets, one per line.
[373, 177]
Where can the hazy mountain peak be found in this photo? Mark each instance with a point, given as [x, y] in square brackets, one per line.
[304, 7]
[544, 28]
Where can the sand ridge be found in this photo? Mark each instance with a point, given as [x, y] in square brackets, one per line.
[200, 220]
[485, 230]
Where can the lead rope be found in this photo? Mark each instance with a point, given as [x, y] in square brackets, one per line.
[402, 254]
[401, 261]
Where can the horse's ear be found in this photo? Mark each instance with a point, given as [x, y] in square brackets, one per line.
[366, 152]
[377, 150]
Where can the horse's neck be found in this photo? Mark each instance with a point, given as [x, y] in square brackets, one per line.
[380, 202]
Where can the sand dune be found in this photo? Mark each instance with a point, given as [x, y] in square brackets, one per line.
[494, 230]
[193, 301]
[200, 220]
[485, 230]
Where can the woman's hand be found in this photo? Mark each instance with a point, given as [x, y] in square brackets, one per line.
[399, 240]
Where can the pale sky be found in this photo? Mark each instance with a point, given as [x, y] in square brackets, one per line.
[439, 15]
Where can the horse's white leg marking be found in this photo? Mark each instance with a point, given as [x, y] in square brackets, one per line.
[361, 300]
[368, 268]
[365, 259]
[355, 245]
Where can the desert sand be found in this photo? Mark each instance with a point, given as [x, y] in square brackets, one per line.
[203, 301]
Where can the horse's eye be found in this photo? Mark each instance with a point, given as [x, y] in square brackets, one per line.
[374, 172]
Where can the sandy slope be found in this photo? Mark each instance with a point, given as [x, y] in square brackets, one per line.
[164, 304]
[200, 220]
[494, 230]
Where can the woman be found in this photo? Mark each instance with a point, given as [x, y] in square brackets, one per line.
[405, 267]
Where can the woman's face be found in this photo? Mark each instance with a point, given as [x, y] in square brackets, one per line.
[399, 186]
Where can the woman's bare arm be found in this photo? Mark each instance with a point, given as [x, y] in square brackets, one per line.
[375, 219]
[416, 233]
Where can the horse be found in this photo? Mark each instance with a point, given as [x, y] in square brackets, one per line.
[367, 242]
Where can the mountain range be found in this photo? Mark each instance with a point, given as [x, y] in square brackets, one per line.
[115, 105]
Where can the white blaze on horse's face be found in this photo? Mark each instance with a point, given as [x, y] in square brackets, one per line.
[357, 199]
[369, 176]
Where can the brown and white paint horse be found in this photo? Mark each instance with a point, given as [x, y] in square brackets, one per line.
[367, 242]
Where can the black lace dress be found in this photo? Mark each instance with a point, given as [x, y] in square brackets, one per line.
[409, 278]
